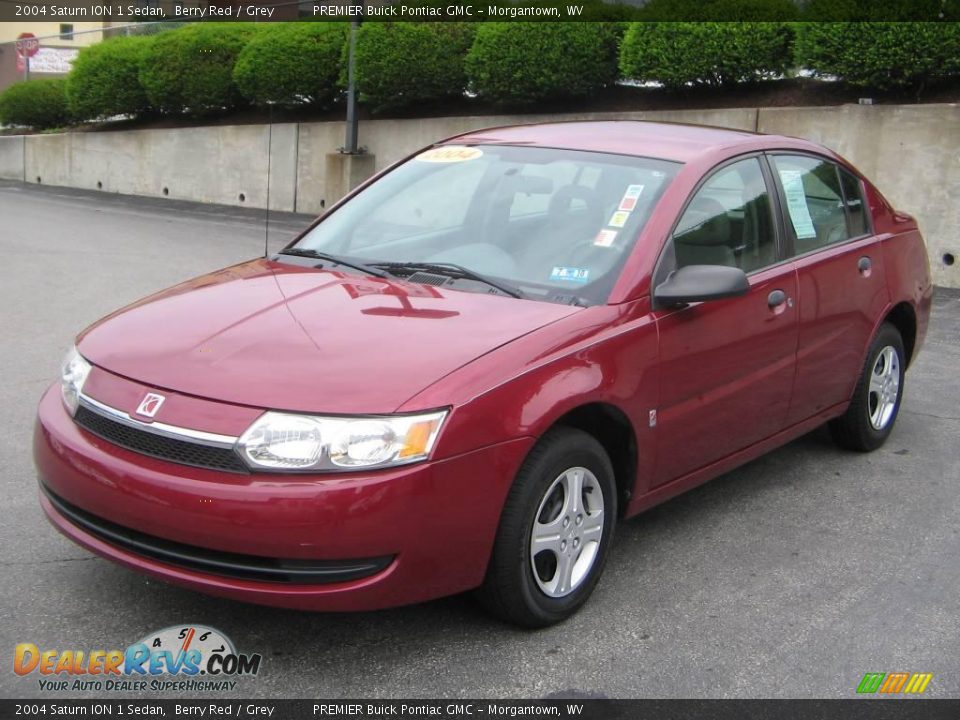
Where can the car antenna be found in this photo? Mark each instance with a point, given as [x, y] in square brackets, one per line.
[266, 228]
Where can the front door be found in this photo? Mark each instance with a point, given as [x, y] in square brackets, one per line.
[727, 366]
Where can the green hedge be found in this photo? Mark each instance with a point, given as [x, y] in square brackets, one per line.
[190, 70]
[715, 54]
[520, 63]
[104, 80]
[881, 56]
[292, 64]
[403, 64]
[40, 104]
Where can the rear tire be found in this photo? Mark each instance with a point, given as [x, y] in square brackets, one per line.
[873, 411]
[555, 532]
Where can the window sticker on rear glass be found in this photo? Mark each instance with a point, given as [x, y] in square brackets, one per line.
[619, 219]
[797, 204]
[630, 197]
[605, 238]
[450, 154]
[570, 274]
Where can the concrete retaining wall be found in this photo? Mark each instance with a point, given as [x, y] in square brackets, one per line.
[11, 157]
[912, 152]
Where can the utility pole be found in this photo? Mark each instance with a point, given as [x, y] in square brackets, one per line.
[352, 164]
[351, 146]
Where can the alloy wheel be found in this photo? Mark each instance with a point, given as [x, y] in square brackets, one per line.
[567, 530]
[884, 387]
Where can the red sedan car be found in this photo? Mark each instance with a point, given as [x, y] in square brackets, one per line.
[473, 367]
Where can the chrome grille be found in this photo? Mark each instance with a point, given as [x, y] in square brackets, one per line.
[182, 452]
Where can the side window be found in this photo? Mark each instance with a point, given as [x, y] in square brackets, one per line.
[856, 207]
[815, 208]
[729, 221]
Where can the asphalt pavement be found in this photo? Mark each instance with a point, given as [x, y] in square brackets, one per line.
[789, 577]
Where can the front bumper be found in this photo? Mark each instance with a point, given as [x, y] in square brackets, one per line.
[428, 528]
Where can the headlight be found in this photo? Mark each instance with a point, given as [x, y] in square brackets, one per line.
[73, 374]
[281, 441]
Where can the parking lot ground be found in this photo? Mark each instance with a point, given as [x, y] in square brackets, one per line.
[789, 577]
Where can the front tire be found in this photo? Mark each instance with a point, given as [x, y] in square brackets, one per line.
[873, 411]
[555, 531]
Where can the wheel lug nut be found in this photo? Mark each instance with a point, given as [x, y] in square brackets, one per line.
[579, 519]
[563, 544]
[566, 521]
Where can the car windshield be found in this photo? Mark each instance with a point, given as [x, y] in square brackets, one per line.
[540, 223]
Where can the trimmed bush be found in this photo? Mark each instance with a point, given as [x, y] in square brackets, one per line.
[521, 63]
[40, 104]
[292, 64]
[402, 64]
[190, 70]
[104, 80]
[719, 10]
[713, 54]
[881, 56]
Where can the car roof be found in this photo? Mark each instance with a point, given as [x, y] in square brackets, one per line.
[667, 141]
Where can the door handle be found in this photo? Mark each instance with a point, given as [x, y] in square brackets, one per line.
[776, 298]
[863, 265]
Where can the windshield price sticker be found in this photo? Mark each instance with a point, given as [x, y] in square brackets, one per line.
[605, 238]
[619, 219]
[797, 204]
[630, 198]
[450, 154]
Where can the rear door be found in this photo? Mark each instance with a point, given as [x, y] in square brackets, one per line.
[727, 366]
[840, 272]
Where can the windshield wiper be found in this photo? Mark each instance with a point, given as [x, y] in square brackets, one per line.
[335, 259]
[454, 270]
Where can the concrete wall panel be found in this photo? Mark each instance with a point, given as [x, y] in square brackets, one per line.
[11, 157]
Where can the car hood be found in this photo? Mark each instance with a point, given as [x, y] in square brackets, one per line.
[286, 337]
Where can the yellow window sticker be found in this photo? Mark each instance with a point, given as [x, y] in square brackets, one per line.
[605, 238]
[619, 219]
[449, 154]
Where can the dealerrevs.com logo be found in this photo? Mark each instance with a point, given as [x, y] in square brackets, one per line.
[179, 658]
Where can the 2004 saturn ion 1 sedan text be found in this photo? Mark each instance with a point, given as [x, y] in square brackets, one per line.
[478, 363]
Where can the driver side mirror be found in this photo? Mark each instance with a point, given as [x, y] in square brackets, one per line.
[701, 283]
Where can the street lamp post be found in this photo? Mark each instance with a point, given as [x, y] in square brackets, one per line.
[351, 147]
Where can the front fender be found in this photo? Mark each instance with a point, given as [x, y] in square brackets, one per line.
[522, 389]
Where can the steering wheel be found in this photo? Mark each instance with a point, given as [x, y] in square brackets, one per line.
[564, 218]
[574, 217]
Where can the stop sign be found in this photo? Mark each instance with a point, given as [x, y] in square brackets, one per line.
[27, 45]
